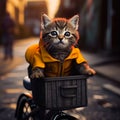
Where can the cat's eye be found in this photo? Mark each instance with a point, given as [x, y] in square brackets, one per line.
[67, 34]
[54, 33]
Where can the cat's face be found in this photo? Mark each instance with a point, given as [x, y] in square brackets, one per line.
[59, 33]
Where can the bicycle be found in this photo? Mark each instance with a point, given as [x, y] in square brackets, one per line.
[50, 96]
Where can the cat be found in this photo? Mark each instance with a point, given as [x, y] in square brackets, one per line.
[56, 54]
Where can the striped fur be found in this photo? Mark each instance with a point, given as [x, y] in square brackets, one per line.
[59, 35]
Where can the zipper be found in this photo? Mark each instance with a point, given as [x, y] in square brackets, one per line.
[61, 68]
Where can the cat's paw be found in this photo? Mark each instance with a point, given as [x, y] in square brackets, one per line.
[37, 73]
[90, 71]
[86, 69]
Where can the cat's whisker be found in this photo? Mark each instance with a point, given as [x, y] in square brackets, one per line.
[50, 47]
[46, 44]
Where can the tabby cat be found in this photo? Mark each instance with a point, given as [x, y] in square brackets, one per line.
[56, 51]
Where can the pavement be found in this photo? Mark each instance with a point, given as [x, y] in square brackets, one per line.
[107, 66]
[7, 65]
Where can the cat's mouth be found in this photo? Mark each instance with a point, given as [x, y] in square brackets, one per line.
[60, 42]
[61, 45]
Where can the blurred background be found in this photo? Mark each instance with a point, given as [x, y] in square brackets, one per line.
[99, 20]
[99, 43]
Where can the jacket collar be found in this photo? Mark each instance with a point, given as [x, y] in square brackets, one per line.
[48, 58]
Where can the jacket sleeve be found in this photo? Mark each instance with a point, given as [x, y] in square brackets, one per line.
[33, 56]
[37, 60]
[80, 57]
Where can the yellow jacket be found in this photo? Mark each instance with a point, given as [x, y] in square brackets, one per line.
[39, 57]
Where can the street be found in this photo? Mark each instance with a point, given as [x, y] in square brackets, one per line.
[102, 104]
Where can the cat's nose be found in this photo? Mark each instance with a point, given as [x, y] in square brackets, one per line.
[60, 37]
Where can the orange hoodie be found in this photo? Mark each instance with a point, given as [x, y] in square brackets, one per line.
[38, 57]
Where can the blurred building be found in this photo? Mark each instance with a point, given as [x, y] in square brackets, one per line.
[99, 26]
[2, 13]
[116, 26]
[16, 10]
[33, 11]
[25, 13]
[68, 8]
[89, 24]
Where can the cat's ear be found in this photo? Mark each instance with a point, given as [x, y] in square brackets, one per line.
[45, 20]
[74, 21]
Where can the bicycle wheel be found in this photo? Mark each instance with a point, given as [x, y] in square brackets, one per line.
[62, 116]
[25, 108]
[50, 115]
